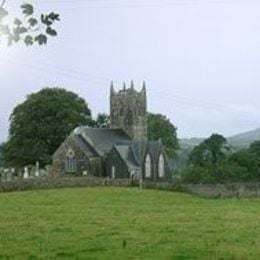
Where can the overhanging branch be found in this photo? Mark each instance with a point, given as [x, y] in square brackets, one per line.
[3, 3]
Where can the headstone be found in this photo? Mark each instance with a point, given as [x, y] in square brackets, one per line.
[141, 183]
[5, 174]
[26, 173]
[9, 176]
[37, 169]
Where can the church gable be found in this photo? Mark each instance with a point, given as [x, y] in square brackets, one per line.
[116, 167]
[70, 158]
[155, 162]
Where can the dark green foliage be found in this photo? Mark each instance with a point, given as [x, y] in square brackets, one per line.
[255, 148]
[160, 127]
[41, 124]
[210, 163]
[102, 121]
[41, 39]
[228, 172]
[210, 152]
[2, 155]
[249, 161]
[29, 28]
[27, 9]
[197, 174]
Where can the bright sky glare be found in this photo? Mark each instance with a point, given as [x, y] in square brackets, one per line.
[200, 59]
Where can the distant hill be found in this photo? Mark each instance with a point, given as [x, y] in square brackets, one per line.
[239, 140]
[244, 139]
[190, 142]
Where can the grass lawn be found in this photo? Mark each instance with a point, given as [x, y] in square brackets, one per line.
[125, 223]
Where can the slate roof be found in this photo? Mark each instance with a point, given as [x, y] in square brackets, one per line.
[102, 139]
[154, 148]
[133, 153]
[84, 146]
[128, 156]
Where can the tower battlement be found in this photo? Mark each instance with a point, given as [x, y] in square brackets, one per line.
[128, 110]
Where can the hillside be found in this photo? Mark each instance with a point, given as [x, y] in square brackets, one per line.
[239, 140]
[245, 139]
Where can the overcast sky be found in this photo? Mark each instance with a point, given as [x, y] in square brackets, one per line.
[200, 59]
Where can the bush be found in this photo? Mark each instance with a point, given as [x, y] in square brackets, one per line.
[197, 174]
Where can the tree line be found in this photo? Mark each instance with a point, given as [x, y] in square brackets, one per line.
[40, 124]
[213, 161]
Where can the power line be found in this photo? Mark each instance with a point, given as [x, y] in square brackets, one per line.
[141, 3]
[182, 101]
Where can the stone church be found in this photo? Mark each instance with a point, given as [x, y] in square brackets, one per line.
[121, 151]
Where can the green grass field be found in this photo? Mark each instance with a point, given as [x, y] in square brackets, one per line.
[125, 223]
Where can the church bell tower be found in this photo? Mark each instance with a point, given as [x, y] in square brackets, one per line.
[128, 111]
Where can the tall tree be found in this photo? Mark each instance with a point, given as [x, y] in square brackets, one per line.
[29, 27]
[102, 121]
[210, 152]
[40, 124]
[255, 148]
[160, 127]
[2, 155]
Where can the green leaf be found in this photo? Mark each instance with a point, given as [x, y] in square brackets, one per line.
[41, 39]
[22, 30]
[51, 32]
[16, 37]
[32, 22]
[17, 22]
[3, 13]
[54, 17]
[28, 40]
[27, 9]
[4, 30]
[45, 20]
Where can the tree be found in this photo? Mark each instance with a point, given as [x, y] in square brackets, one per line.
[255, 148]
[28, 28]
[247, 160]
[102, 121]
[2, 155]
[41, 123]
[160, 127]
[210, 152]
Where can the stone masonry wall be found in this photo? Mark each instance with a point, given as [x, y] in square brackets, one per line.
[65, 182]
[231, 190]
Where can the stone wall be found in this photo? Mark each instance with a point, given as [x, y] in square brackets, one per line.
[235, 190]
[66, 182]
[231, 190]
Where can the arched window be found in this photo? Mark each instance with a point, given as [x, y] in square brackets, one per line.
[130, 117]
[161, 166]
[113, 172]
[148, 166]
[71, 163]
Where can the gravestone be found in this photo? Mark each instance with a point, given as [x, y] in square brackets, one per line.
[26, 173]
[37, 169]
